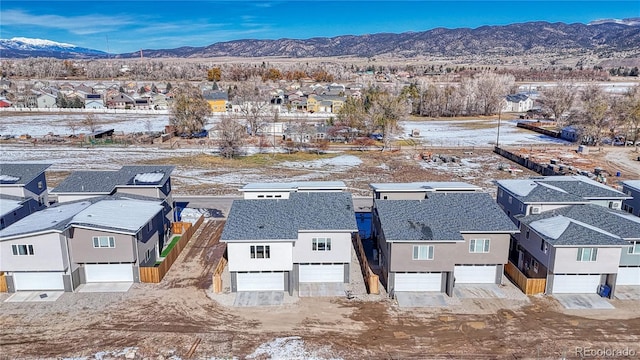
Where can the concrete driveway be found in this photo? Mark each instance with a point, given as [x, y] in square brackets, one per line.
[412, 299]
[478, 291]
[627, 292]
[103, 287]
[321, 289]
[258, 298]
[35, 296]
[583, 301]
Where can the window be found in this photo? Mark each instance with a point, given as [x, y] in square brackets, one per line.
[148, 255]
[260, 252]
[40, 185]
[544, 246]
[510, 199]
[479, 245]
[423, 252]
[635, 248]
[499, 192]
[104, 242]
[535, 266]
[22, 249]
[321, 244]
[587, 254]
[260, 196]
[526, 234]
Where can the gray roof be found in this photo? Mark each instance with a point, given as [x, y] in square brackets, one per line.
[281, 219]
[53, 218]
[424, 186]
[104, 182]
[441, 217]
[9, 205]
[559, 189]
[295, 186]
[16, 173]
[588, 217]
[117, 214]
[632, 184]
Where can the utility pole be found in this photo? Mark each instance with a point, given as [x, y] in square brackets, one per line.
[498, 136]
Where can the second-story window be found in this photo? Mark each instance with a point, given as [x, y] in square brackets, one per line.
[321, 244]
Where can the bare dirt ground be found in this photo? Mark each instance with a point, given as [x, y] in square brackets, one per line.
[165, 320]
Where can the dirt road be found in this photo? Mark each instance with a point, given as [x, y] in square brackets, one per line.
[166, 319]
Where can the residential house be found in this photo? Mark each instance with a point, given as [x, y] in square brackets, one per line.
[159, 102]
[34, 252]
[93, 101]
[437, 242]
[217, 100]
[12, 209]
[570, 133]
[325, 103]
[142, 104]
[110, 240]
[418, 190]
[93, 240]
[4, 103]
[25, 181]
[120, 101]
[143, 180]
[578, 248]
[539, 194]
[46, 101]
[283, 190]
[276, 244]
[631, 204]
[517, 103]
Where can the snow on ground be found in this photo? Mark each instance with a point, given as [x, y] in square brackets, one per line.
[474, 133]
[286, 348]
[338, 163]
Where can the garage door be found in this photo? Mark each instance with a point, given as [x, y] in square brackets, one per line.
[265, 281]
[474, 274]
[628, 276]
[418, 282]
[108, 272]
[38, 281]
[321, 273]
[575, 284]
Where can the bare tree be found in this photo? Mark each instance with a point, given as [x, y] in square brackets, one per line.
[73, 125]
[628, 110]
[90, 122]
[352, 115]
[189, 110]
[254, 106]
[594, 117]
[385, 112]
[558, 99]
[230, 137]
[491, 90]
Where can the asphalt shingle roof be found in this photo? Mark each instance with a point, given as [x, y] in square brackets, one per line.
[587, 219]
[273, 219]
[23, 172]
[441, 217]
[105, 182]
[559, 189]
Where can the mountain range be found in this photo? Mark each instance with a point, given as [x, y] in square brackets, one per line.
[600, 36]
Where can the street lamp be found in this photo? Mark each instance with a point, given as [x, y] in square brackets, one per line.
[498, 136]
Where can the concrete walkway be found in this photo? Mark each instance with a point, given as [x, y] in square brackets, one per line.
[583, 301]
[321, 289]
[102, 287]
[411, 299]
[35, 296]
[258, 298]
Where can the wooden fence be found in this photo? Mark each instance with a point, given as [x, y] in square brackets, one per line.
[537, 127]
[529, 164]
[370, 279]
[217, 275]
[3, 282]
[529, 286]
[156, 274]
[180, 227]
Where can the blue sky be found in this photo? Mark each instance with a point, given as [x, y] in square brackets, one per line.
[157, 24]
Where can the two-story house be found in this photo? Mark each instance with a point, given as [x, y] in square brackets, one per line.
[444, 239]
[276, 244]
[23, 190]
[577, 248]
[539, 194]
[283, 190]
[631, 204]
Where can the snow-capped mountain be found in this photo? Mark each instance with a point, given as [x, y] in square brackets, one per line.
[20, 47]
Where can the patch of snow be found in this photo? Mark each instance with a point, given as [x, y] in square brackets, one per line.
[286, 348]
[148, 178]
[338, 163]
[40, 42]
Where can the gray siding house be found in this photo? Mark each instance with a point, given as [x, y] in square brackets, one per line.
[632, 204]
[578, 248]
[417, 190]
[34, 252]
[25, 181]
[277, 244]
[446, 239]
[282, 190]
[539, 194]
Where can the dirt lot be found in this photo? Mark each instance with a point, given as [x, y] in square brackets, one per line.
[164, 320]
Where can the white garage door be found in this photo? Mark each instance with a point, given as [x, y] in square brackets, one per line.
[108, 272]
[38, 281]
[418, 282]
[266, 281]
[474, 274]
[321, 273]
[575, 284]
[628, 276]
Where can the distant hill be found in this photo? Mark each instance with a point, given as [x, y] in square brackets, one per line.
[20, 47]
[600, 36]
